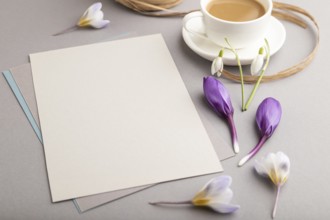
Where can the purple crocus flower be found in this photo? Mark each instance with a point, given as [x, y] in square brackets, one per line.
[218, 97]
[268, 117]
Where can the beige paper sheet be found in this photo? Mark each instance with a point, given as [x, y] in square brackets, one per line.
[23, 77]
[117, 115]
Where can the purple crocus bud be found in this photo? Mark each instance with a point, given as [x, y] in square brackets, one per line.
[219, 99]
[268, 117]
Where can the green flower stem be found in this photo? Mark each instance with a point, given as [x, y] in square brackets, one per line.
[240, 71]
[260, 77]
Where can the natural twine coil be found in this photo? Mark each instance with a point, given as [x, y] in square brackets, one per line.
[284, 11]
[149, 7]
[291, 13]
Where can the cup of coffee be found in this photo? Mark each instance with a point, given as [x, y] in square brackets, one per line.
[242, 22]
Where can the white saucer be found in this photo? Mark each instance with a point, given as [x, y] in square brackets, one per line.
[209, 50]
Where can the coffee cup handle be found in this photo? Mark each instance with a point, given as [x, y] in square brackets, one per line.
[190, 16]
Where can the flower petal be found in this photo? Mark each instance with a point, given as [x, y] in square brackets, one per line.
[91, 10]
[95, 7]
[213, 66]
[217, 184]
[257, 64]
[217, 96]
[98, 15]
[283, 167]
[211, 189]
[283, 162]
[223, 208]
[99, 23]
[224, 196]
[261, 168]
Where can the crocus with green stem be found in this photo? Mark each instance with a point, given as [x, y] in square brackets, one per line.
[218, 97]
[277, 168]
[268, 117]
[262, 72]
[240, 72]
[216, 195]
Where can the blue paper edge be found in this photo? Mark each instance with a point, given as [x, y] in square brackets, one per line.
[17, 92]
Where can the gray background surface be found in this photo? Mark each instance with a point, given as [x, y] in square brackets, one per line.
[26, 27]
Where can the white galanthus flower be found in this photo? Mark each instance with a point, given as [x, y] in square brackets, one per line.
[216, 195]
[93, 17]
[258, 62]
[217, 64]
[277, 168]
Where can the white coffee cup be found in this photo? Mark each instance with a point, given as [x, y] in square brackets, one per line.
[240, 34]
